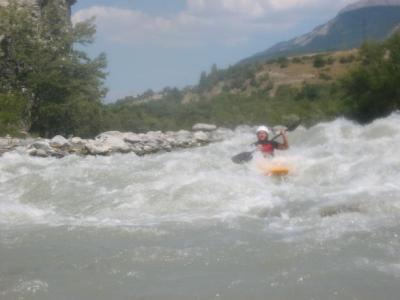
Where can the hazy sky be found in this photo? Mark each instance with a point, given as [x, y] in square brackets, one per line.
[159, 43]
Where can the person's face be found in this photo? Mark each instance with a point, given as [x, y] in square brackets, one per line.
[262, 136]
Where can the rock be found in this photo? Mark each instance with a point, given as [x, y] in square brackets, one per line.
[132, 138]
[43, 145]
[58, 154]
[5, 149]
[148, 149]
[204, 127]
[202, 137]
[107, 143]
[77, 141]
[77, 146]
[9, 144]
[97, 148]
[155, 135]
[59, 142]
[42, 148]
[182, 138]
[167, 147]
[138, 149]
[4, 142]
[38, 153]
[117, 142]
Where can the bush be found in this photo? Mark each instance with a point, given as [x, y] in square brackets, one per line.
[283, 62]
[372, 87]
[330, 60]
[347, 59]
[12, 109]
[319, 61]
[325, 76]
[297, 60]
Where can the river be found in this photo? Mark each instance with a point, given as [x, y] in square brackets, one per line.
[192, 225]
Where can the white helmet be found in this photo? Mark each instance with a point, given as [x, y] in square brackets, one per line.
[263, 128]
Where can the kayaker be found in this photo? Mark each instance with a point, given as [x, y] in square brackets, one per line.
[266, 146]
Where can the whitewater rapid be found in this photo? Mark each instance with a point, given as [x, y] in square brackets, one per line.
[192, 225]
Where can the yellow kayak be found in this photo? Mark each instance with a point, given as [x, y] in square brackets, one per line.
[275, 167]
[277, 171]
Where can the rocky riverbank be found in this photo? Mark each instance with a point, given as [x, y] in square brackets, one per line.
[111, 142]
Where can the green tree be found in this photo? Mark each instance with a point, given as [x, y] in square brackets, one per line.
[59, 83]
[12, 107]
[372, 87]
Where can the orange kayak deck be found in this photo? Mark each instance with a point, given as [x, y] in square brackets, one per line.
[277, 171]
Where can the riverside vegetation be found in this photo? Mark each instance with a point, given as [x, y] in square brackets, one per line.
[49, 87]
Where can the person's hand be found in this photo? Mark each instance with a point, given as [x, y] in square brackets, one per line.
[283, 131]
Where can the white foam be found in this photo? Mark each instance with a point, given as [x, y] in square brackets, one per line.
[334, 163]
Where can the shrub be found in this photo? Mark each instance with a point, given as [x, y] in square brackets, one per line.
[319, 61]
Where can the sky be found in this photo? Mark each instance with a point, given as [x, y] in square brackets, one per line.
[152, 44]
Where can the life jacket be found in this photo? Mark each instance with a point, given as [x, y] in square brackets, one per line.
[267, 147]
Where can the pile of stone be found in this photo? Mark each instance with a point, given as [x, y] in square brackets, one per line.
[111, 142]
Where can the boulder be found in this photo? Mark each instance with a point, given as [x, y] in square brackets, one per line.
[132, 138]
[182, 138]
[5, 141]
[114, 140]
[43, 145]
[97, 148]
[59, 142]
[77, 141]
[201, 137]
[155, 135]
[38, 153]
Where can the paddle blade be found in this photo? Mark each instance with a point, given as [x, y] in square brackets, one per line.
[293, 126]
[242, 157]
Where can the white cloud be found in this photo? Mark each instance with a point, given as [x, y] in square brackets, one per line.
[203, 21]
[248, 8]
[259, 8]
[124, 25]
[184, 29]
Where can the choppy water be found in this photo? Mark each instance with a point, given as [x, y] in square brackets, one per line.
[192, 225]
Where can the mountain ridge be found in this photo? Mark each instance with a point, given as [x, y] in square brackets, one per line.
[369, 3]
[356, 23]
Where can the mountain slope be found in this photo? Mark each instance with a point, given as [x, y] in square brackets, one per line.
[369, 3]
[352, 26]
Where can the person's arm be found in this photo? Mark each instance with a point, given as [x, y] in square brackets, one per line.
[285, 144]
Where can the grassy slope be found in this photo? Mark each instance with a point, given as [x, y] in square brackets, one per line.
[276, 73]
[252, 94]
